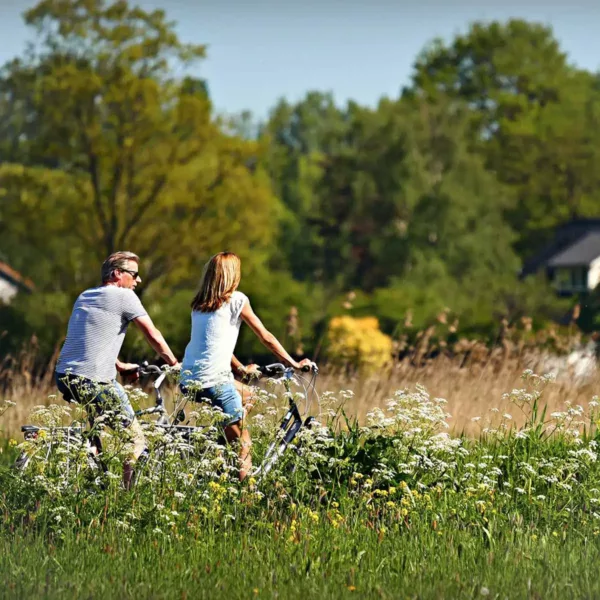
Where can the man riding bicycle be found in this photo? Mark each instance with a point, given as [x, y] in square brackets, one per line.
[87, 367]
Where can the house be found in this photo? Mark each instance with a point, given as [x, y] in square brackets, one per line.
[571, 260]
[11, 283]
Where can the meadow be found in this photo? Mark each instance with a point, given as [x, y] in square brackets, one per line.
[389, 497]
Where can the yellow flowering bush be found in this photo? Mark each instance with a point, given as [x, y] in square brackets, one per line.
[358, 342]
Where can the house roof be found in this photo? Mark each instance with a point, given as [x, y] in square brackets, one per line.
[564, 237]
[581, 253]
[14, 277]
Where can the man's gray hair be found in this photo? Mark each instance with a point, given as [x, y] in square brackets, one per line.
[117, 260]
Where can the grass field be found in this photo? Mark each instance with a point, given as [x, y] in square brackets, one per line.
[390, 506]
[248, 561]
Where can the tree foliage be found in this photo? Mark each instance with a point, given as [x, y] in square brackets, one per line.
[118, 153]
[423, 204]
[534, 119]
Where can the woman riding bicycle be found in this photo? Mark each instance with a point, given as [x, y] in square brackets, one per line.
[217, 312]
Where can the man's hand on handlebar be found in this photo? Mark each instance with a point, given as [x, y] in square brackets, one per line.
[145, 369]
[130, 372]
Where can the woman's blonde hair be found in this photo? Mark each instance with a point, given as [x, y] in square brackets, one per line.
[220, 278]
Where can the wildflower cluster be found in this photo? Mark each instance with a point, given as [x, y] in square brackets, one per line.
[399, 469]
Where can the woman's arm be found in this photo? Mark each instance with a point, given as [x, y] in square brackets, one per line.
[243, 371]
[268, 339]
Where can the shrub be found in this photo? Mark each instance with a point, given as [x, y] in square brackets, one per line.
[358, 342]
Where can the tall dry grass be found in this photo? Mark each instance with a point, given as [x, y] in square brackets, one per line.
[472, 384]
[471, 390]
[472, 375]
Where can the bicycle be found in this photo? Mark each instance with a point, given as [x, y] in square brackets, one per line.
[178, 437]
[294, 420]
[71, 438]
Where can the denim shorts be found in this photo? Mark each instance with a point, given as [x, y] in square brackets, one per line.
[96, 397]
[224, 396]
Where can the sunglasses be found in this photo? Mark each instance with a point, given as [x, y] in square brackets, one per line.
[134, 274]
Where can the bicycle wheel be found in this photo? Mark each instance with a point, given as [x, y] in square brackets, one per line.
[21, 462]
[57, 449]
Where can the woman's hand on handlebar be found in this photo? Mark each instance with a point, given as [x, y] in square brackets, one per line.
[305, 365]
[251, 371]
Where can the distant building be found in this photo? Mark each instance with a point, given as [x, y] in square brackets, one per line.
[572, 260]
[11, 283]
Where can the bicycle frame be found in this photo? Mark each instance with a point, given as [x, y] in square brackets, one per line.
[289, 427]
[57, 435]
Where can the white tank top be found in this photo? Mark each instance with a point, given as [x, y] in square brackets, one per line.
[207, 359]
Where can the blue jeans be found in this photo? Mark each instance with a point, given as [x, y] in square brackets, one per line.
[224, 396]
[96, 397]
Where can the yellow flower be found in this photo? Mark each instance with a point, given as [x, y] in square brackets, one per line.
[12, 443]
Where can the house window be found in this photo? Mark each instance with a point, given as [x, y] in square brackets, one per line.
[571, 279]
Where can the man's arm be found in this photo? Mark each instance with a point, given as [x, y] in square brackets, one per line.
[129, 371]
[123, 366]
[155, 338]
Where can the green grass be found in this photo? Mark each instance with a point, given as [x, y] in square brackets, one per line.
[391, 509]
[246, 562]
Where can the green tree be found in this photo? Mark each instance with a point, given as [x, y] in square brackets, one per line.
[501, 70]
[299, 138]
[402, 207]
[534, 118]
[118, 153]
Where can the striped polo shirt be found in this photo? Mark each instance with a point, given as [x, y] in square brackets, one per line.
[96, 332]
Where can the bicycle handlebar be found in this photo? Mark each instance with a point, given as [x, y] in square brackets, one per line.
[280, 369]
[146, 369]
[143, 369]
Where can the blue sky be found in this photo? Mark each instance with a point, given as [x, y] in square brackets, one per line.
[261, 50]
